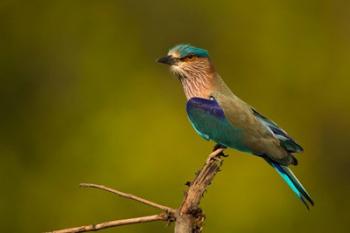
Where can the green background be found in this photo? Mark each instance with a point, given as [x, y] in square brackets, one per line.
[82, 100]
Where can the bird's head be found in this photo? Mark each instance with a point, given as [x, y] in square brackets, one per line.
[186, 60]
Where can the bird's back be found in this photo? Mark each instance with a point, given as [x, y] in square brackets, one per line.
[255, 134]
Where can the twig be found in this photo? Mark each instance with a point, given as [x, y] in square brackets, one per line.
[129, 196]
[114, 223]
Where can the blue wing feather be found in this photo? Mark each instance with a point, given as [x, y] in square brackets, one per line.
[292, 182]
[287, 142]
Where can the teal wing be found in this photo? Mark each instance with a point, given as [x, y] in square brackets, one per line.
[209, 121]
[286, 141]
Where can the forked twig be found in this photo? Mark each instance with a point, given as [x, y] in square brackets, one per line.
[188, 217]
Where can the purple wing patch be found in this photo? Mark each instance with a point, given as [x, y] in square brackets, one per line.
[210, 122]
[206, 105]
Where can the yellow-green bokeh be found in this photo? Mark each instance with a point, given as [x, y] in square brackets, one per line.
[82, 100]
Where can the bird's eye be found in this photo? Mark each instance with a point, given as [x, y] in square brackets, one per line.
[188, 57]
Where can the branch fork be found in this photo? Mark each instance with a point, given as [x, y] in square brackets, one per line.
[188, 218]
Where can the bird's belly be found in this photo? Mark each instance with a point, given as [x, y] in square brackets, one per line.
[222, 132]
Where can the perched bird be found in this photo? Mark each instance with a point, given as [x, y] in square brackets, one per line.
[219, 115]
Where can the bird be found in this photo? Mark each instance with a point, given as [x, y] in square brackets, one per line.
[217, 114]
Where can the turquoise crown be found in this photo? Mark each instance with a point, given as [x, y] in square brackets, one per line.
[187, 49]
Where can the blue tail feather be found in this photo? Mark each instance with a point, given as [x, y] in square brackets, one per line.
[292, 182]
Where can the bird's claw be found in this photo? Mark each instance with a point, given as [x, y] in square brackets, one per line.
[213, 158]
[216, 156]
[218, 146]
[223, 155]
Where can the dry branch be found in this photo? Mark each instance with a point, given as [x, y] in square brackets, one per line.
[129, 196]
[188, 217]
[114, 223]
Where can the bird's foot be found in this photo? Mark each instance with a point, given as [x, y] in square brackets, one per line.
[218, 146]
[218, 152]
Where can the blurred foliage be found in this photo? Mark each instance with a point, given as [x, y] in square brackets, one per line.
[82, 100]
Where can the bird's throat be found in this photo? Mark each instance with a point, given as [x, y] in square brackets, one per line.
[197, 85]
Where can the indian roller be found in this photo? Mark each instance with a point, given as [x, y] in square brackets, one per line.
[217, 114]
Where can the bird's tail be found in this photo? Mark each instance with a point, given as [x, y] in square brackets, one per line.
[292, 182]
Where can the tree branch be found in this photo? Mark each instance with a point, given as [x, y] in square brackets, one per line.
[188, 217]
[114, 223]
[129, 196]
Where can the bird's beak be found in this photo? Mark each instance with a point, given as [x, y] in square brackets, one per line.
[169, 60]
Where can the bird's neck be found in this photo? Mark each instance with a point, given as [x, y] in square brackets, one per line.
[198, 82]
[196, 87]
